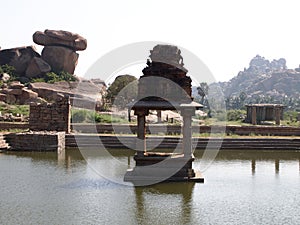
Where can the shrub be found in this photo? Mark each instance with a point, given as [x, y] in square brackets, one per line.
[7, 69]
[78, 115]
[83, 115]
[10, 70]
[220, 116]
[52, 77]
[236, 115]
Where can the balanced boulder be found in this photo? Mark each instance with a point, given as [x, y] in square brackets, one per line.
[60, 58]
[60, 49]
[60, 38]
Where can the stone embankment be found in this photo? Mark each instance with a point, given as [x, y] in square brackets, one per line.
[37, 141]
[3, 144]
[176, 129]
[129, 142]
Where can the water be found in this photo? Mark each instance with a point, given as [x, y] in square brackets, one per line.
[241, 187]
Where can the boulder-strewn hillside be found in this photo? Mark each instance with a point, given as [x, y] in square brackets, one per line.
[264, 81]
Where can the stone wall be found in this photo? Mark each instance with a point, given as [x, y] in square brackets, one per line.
[36, 141]
[3, 144]
[50, 116]
[176, 129]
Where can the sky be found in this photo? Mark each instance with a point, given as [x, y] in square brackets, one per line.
[224, 35]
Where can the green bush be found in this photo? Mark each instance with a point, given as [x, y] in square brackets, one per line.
[288, 115]
[220, 115]
[10, 70]
[7, 69]
[52, 77]
[62, 76]
[88, 116]
[79, 115]
[236, 115]
[34, 80]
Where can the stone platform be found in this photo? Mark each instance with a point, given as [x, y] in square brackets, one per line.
[162, 167]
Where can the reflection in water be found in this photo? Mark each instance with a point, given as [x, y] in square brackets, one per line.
[276, 166]
[257, 156]
[179, 203]
[72, 156]
[253, 166]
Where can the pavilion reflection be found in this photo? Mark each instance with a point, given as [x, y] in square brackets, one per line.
[181, 190]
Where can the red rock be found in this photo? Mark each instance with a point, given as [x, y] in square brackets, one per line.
[16, 85]
[15, 91]
[60, 58]
[19, 58]
[11, 99]
[60, 38]
[3, 97]
[37, 66]
[63, 35]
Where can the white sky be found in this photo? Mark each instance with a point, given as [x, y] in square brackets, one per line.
[224, 34]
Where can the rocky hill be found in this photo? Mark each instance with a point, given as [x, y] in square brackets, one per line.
[264, 81]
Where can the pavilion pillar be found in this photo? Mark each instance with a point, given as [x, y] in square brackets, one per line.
[253, 115]
[158, 116]
[187, 131]
[141, 131]
[277, 115]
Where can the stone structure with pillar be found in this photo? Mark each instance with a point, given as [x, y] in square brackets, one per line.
[164, 86]
[257, 113]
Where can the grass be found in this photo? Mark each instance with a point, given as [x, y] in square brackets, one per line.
[89, 116]
[13, 131]
[14, 109]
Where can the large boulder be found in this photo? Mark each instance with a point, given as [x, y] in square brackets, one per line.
[2, 97]
[60, 38]
[19, 58]
[10, 99]
[15, 91]
[36, 67]
[60, 58]
[27, 96]
[16, 85]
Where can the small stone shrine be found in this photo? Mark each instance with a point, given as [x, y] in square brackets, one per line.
[259, 113]
[164, 86]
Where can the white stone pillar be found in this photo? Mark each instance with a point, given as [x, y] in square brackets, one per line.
[141, 131]
[187, 130]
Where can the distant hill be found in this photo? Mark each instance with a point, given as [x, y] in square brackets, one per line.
[263, 81]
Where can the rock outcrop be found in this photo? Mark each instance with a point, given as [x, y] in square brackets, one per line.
[58, 55]
[19, 57]
[36, 67]
[17, 93]
[84, 94]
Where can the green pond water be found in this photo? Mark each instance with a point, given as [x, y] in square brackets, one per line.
[241, 187]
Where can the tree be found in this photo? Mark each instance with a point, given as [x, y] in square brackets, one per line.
[122, 91]
[202, 91]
